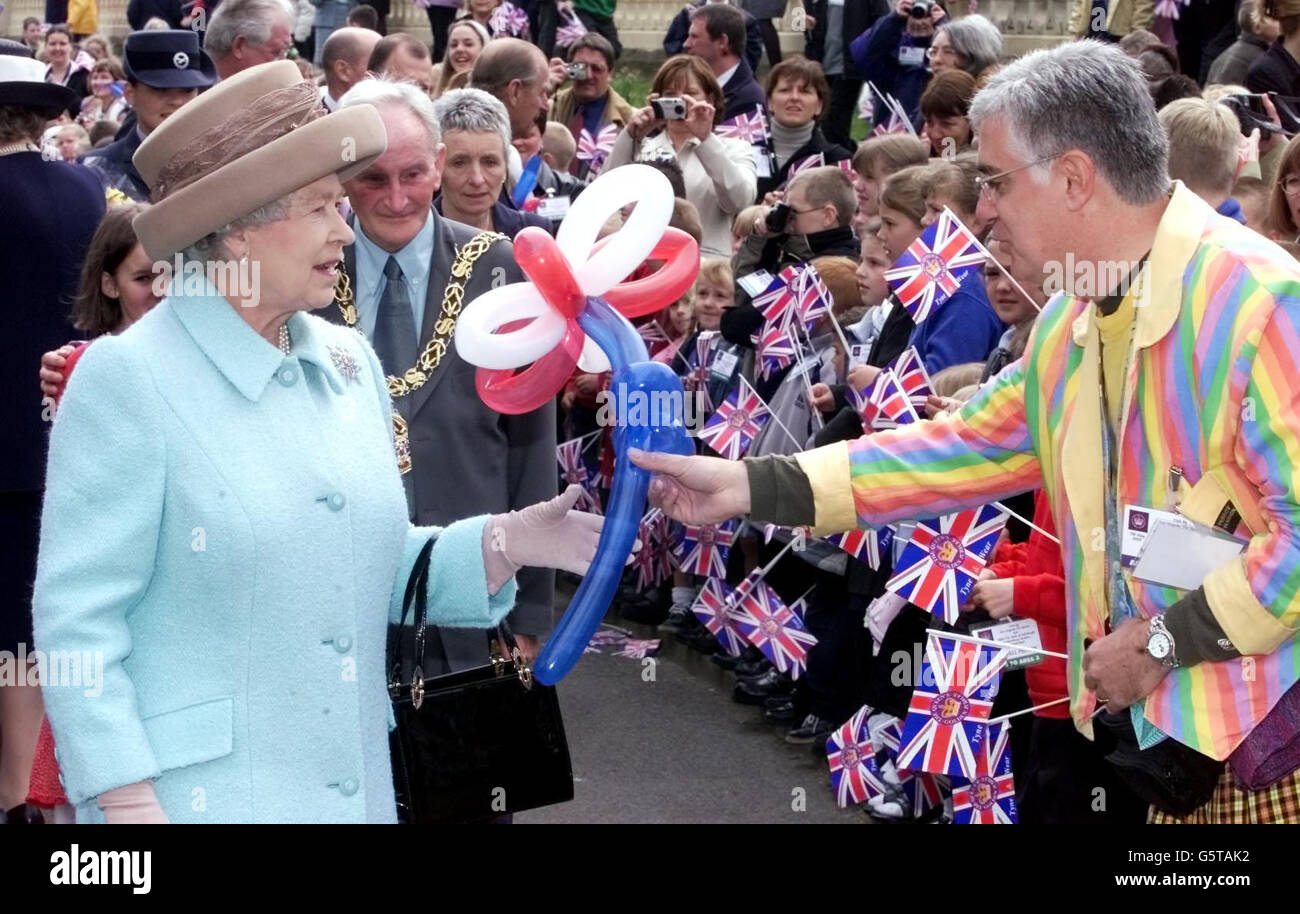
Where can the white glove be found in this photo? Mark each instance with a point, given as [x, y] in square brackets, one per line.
[134, 804]
[544, 535]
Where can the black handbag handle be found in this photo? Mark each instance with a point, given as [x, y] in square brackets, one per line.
[417, 595]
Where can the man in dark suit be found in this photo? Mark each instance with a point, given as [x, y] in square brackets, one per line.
[50, 211]
[164, 70]
[717, 36]
[675, 37]
[465, 459]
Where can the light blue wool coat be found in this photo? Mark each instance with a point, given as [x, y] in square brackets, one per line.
[227, 525]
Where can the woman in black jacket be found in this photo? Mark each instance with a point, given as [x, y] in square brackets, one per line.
[797, 96]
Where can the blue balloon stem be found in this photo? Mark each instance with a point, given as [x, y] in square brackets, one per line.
[635, 376]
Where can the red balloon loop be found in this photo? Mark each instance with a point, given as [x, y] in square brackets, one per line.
[547, 268]
[512, 394]
[681, 263]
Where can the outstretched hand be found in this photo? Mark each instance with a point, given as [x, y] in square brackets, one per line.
[695, 490]
[549, 534]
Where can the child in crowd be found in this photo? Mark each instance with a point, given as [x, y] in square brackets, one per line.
[877, 158]
[743, 225]
[558, 147]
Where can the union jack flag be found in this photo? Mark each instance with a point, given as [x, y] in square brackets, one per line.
[715, 607]
[732, 429]
[574, 471]
[595, 150]
[990, 797]
[699, 368]
[571, 30]
[750, 127]
[849, 752]
[945, 723]
[772, 303]
[811, 297]
[944, 557]
[638, 649]
[508, 19]
[776, 350]
[813, 161]
[649, 566]
[864, 545]
[895, 124]
[886, 732]
[797, 293]
[924, 791]
[912, 377]
[772, 627]
[652, 333]
[882, 403]
[934, 266]
[703, 550]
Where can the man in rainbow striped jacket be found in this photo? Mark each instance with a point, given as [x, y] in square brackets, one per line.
[1190, 368]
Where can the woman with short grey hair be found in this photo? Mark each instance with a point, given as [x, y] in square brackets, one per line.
[475, 130]
[971, 43]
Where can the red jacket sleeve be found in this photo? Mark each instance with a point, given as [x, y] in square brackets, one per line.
[1040, 597]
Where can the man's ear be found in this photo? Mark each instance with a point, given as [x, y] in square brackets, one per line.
[237, 46]
[1080, 174]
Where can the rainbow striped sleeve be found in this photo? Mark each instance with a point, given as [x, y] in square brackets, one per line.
[1257, 598]
[978, 455]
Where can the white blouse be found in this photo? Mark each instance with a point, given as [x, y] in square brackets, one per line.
[719, 176]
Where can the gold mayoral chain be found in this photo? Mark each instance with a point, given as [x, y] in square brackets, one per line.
[414, 377]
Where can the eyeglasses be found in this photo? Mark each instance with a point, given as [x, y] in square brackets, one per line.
[991, 185]
[1291, 186]
[942, 51]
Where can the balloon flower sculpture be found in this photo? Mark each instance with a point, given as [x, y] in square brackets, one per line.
[574, 311]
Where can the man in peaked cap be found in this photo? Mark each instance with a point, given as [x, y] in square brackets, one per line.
[164, 70]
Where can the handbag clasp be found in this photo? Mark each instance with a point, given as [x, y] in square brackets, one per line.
[417, 688]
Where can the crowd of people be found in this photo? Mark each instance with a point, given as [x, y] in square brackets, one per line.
[1173, 150]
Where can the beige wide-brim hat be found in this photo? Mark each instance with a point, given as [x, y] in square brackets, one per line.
[247, 142]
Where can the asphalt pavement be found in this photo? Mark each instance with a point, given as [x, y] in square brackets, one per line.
[660, 740]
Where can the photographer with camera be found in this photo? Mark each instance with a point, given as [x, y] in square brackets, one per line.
[892, 54]
[814, 221]
[590, 104]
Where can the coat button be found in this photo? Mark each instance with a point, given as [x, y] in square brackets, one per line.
[336, 501]
[349, 786]
[287, 376]
[342, 644]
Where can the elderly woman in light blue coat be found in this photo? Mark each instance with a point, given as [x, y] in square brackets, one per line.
[224, 525]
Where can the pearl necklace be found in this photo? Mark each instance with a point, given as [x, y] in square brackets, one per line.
[286, 345]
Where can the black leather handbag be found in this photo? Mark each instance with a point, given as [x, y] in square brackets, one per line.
[1172, 777]
[476, 745]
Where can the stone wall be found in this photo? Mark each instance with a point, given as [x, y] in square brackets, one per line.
[1027, 24]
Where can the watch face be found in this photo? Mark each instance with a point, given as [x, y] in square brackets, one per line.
[1158, 645]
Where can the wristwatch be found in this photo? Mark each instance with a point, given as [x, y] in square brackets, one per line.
[1160, 643]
